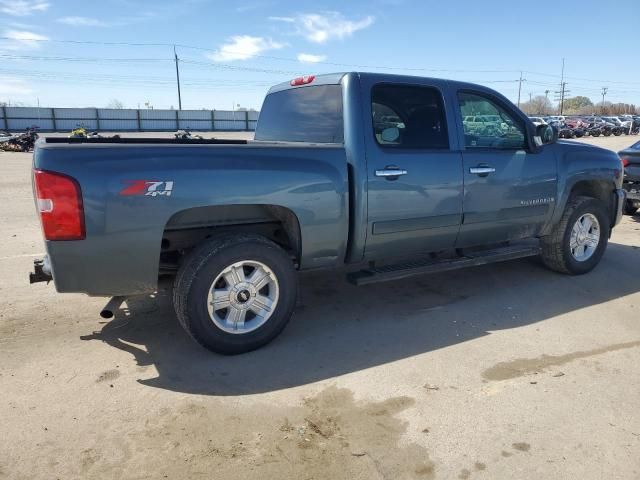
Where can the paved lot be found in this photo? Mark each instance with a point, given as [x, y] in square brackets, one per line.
[503, 371]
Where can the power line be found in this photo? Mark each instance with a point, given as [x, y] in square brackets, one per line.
[295, 60]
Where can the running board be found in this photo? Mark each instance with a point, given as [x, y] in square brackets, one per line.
[469, 259]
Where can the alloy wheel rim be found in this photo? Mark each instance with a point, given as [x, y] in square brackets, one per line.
[585, 237]
[243, 297]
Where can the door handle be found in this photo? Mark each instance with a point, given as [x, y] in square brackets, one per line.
[482, 170]
[391, 172]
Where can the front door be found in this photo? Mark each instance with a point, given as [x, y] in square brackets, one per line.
[414, 176]
[509, 191]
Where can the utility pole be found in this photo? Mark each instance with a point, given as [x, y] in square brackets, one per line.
[530, 97]
[177, 78]
[604, 92]
[561, 95]
[520, 87]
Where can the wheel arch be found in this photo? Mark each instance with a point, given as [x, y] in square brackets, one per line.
[598, 188]
[187, 228]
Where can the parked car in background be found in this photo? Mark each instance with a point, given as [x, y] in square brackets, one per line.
[563, 130]
[631, 181]
[624, 125]
[606, 128]
[576, 122]
[555, 118]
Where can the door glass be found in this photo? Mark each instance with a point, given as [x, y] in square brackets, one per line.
[409, 117]
[494, 127]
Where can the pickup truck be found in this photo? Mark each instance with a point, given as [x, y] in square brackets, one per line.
[375, 172]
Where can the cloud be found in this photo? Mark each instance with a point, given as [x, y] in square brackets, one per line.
[322, 27]
[82, 22]
[309, 58]
[22, 8]
[243, 47]
[22, 40]
[14, 86]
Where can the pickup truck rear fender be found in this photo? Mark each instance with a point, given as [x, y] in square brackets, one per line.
[584, 170]
[187, 228]
[125, 227]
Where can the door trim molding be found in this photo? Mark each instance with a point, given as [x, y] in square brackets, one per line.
[412, 224]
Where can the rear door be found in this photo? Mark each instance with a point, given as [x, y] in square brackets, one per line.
[509, 191]
[414, 168]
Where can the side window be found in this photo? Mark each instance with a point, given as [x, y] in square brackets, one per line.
[408, 117]
[498, 129]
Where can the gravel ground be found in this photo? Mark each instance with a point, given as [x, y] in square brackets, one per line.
[502, 371]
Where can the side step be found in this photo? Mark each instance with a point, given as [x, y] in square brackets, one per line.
[469, 259]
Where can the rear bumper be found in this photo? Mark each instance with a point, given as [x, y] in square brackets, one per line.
[619, 196]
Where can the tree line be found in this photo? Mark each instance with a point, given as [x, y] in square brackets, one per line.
[579, 105]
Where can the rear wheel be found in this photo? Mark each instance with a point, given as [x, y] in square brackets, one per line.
[579, 240]
[235, 293]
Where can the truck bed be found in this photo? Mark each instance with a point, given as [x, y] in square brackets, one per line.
[197, 184]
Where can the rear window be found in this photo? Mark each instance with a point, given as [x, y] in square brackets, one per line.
[307, 114]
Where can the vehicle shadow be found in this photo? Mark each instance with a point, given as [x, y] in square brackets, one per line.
[339, 328]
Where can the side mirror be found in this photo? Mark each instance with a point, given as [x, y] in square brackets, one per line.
[545, 134]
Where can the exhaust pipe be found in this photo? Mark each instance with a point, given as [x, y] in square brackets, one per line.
[111, 306]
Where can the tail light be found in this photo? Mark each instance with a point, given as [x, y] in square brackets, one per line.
[59, 201]
[625, 162]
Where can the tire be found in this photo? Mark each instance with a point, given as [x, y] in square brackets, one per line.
[556, 247]
[629, 209]
[202, 271]
[607, 133]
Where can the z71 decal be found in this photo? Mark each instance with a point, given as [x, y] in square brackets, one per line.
[151, 188]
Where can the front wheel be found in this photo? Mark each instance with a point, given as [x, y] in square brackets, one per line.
[235, 293]
[580, 238]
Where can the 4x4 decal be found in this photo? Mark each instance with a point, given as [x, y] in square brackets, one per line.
[150, 188]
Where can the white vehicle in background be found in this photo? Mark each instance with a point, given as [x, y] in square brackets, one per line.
[625, 121]
[556, 118]
[537, 121]
[618, 122]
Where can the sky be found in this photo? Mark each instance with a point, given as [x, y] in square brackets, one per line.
[87, 54]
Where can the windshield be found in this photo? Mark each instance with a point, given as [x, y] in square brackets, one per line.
[308, 114]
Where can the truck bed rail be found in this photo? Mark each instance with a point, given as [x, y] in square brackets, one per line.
[154, 140]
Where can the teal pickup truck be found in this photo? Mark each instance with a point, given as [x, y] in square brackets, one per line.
[374, 171]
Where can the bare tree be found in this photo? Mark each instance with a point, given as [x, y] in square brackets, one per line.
[115, 103]
[539, 104]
